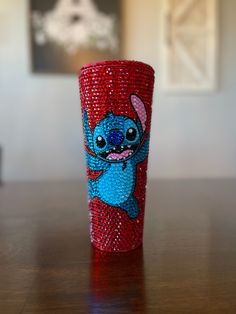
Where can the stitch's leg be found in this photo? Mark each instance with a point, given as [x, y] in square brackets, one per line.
[92, 189]
[131, 207]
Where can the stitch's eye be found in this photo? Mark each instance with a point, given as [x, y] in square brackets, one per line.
[100, 142]
[131, 134]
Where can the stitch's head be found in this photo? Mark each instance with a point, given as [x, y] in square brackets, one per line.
[116, 138]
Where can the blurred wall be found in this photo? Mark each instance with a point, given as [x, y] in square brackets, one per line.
[40, 128]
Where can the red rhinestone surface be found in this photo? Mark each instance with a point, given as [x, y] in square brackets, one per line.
[107, 87]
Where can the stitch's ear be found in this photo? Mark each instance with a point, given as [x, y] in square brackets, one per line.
[140, 110]
[87, 132]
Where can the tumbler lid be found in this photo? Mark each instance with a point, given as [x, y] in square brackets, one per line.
[118, 63]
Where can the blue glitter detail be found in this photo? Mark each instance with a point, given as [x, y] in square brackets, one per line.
[117, 160]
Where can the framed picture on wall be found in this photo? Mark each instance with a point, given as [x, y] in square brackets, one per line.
[189, 45]
[65, 34]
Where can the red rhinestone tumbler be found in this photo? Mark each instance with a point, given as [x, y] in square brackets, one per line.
[116, 98]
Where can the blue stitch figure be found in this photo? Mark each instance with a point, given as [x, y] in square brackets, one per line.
[118, 144]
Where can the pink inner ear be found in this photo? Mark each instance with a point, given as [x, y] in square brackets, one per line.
[140, 109]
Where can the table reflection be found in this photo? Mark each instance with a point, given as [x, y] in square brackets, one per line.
[117, 282]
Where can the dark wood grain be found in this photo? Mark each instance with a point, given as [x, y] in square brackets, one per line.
[186, 265]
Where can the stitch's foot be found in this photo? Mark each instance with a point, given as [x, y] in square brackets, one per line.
[91, 189]
[131, 207]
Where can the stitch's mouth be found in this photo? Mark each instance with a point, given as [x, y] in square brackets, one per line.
[119, 153]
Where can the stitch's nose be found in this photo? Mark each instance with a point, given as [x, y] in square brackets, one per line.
[115, 137]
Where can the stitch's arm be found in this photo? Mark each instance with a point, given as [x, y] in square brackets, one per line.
[94, 163]
[87, 132]
[143, 151]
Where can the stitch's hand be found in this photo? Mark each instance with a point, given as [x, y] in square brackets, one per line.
[87, 132]
[143, 151]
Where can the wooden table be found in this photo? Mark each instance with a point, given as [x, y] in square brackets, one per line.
[187, 263]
